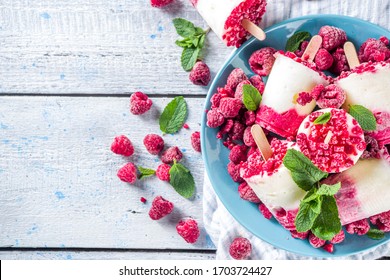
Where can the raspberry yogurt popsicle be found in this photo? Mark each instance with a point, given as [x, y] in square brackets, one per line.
[227, 18]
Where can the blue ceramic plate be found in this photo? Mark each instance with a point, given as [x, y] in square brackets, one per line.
[215, 154]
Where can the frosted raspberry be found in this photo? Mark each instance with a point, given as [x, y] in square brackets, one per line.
[195, 141]
[261, 61]
[329, 247]
[340, 62]
[143, 199]
[188, 229]
[160, 3]
[382, 221]
[330, 96]
[338, 238]
[214, 118]
[122, 146]
[250, 118]
[238, 154]
[160, 208]
[200, 74]
[258, 83]
[230, 107]
[162, 172]
[360, 227]
[265, 211]
[332, 37]
[234, 172]
[154, 143]
[237, 132]
[226, 91]
[302, 47]
[372, 148]
[247, 193]
[304, 98]
[171, 154]
[240, 248]
[323, 60]
[139, 103]
[248, 138]
[235, 77]
[225, 129]
[299, 235]
[238, 92]
[374, 50]
[128, 173]
[315, 241]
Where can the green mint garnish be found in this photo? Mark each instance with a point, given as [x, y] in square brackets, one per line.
[374, 233]
[182, 181]
[145, 172]
[327, 224]
[323, 119]
[189, 57]
[174, 115]
[329, 190]
[295, 40]
[308, 213]
[364, 117]
[251, 97]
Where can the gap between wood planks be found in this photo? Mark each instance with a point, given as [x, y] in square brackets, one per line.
[99, 95]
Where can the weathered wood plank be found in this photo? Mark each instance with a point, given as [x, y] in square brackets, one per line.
[58, 176]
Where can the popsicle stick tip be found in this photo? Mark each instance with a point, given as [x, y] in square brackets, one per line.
[351, 55]
[261, 141]
[312, 48]
[253, 29]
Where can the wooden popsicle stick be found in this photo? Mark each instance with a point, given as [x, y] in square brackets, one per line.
[351, 55]
[312, 48]
[253, 29]
[261, 141]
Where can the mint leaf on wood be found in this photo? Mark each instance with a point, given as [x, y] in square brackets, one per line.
[327, 224]
[296, 39]
[182, 180]
[251, 97]
[364, 117]
[184, 27]
[189, 57]
[374, 233]
[323, 119]
[145, 172]
[174, 115]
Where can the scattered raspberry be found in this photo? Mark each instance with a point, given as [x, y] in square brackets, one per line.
[360, 227]
[238, 92]
[332, 37]
[338, 238]
[162, 172]
[154, 143]
[372, 148]
[214, 118]
[122, 146]
[374, 50]
[143, 199]
[261, 61]
[330, 96]
[238, 154]
[323, 60]
[195, 141]
[247, 193]
[160, 3]
[258, 83]
[128, 173]
[200, 74]
[235, 77]
[304, 98]
[299, 235]
[188, 229]
[160, 208]
[248, 138]
[265, 211]
[315, 241]
[340, 62]
[234, 172]
[299, 52]
[382, 221]
[230, 107]
[139, 103]
[171, 154]
[186, 126]
[240, 248]
[328, 247]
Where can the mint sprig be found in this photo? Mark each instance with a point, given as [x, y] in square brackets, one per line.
[296, 39]
[323, 119]
[192, 42]
[145, 172]
[364, 117]
[251, 97]
[174, 115]
[182, 180]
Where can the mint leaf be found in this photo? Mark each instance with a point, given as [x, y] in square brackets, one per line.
[201, 41]
[184, 27]
[374, 233]
[307, 214]
[182, 181]
[185, 43]
[364, 117]
[304, 173]
[295, 40]
[323, 119]
[310, 195]
[145, 172]
[189, 57]
[251, 97]
[327, 224]
[329, 190]
[174, 115]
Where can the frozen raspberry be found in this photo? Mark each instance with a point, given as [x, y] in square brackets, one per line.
[332, 37]
[139, 103]
[230, 107]
[162, 172]
[225, 129]
[265, 211]
[122, 146]
[247, 193]
[235, 77]
[340, 62]
[238, 154]
[315, 241]
[195, 141]
[374, 50]
[143, 199]
[160, 208]
[171, 154]
[234, 172]
[160, 3]
[200, 74]
[328, 247]
[302, 47]
[214, 118]
[248, 138]
[299, 235]
[360, 227]
[153, 143]
[186, 126]
[372, 148]
[188, 229]
[226, 91]
[338, 238]
[238, 92]
[240, 248]
[382, 221]
[304, 98]
[128, 173]
[330, 96]
[261, 61]
[258, 83]
[250, 118]
[323, 60]
[237, 131]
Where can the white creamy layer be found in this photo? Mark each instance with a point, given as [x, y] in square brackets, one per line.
[286, 80]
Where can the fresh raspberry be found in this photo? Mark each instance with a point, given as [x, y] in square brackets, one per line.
[265, 211]
[315, 241]
[258, 83]
[200, 74]
[128, 173]
[154, 143]
[235, 77]
[248, 138]
[214, 118]
[238, 92]
[332, 37]
[238, 154]
[374, 50]
[302, 47]
[160, 3]
[372, 148]
[261, 61]
[139, 103]
[360, 227]
[143, 199]
[195, 141]
[186, 126]
[340, 62]
[382, 221]
[162, 172]
[240, 248]
[237, 131]
[171, 154]
[338, 238]
[247, 193]
[122, 146]
[304, 98]
[330, 96]
[299, 235]
[188, 229]
[234, 172]
[323, 60]
[329, 247]
[160, 208]
[230, 107]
